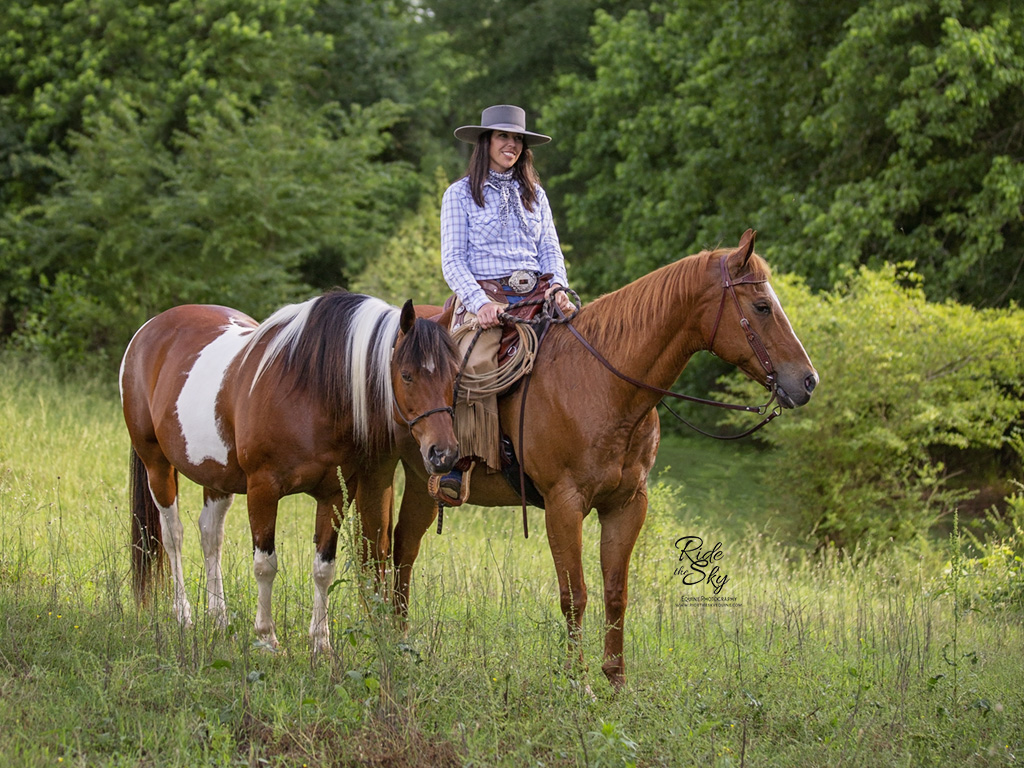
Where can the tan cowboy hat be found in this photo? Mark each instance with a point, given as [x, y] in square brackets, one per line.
[502, 117]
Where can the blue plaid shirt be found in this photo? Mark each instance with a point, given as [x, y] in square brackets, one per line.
[476, 245]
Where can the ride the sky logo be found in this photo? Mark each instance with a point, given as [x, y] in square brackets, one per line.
[698, 565]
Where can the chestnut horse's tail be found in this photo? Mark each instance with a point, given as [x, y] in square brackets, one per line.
[146, 538]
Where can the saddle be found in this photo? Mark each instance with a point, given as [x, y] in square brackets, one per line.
[527, 308]
[452, 316]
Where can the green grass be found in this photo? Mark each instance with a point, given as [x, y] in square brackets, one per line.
[810, 662]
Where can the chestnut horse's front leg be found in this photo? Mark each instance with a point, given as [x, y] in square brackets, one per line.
[375, 502]
[620, 528]
[417, 513]
[564, 523]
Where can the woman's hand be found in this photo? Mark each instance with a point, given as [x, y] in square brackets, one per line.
[561, 299]
[488, 315]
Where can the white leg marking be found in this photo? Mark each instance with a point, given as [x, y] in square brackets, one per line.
[172, 533]
[264, 566]
[319, 630]
[211, 533]
[197, 401]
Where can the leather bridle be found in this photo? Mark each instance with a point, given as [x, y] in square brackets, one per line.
[729, 287]
[412, 423]
[760, 352]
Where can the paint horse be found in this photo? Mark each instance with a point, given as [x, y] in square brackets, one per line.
[591, 436]
[274, 409]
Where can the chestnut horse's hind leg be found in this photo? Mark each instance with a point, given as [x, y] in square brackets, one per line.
[417, 513]
[619, 531]
[211, 533]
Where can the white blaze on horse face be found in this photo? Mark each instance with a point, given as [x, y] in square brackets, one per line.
[785, 318]
[197, 402]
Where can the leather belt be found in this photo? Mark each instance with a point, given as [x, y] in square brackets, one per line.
[520, 281]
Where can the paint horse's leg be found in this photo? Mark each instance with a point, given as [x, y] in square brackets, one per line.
[328, 520]
[564, 520]
[620, 528]
[417, 514]
[163, 487]
[211, 532]
[263, 497]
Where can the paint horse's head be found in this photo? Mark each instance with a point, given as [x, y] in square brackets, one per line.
[423, 369]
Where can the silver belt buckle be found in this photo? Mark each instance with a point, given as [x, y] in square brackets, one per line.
[522, 281]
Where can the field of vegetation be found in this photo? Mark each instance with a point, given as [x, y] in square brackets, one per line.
[907, 657]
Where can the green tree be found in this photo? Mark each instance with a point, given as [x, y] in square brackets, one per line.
[912, 394]
[409, 264]
[846, 133]
[922, 138]
[175, 152]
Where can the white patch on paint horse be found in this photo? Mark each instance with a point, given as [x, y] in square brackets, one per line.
[197, 402]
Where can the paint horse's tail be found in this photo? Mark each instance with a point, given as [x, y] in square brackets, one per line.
[147, 540]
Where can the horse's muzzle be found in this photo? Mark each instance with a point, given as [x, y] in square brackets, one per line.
[440, 460]
[797, 395]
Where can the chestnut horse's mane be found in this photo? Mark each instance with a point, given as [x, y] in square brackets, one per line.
[339, 348]
[613, 316]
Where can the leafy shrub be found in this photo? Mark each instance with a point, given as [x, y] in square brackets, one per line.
[901, 380]
[995, 576]
[409, 265]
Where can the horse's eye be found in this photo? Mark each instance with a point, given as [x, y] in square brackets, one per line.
[763, 308]
[407, 377]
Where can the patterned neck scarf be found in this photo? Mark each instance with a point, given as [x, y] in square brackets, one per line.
[509, 199]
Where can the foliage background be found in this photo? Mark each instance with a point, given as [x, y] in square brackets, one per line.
[254, 152]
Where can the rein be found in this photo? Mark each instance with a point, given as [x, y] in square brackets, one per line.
[728, 288]
[554, 315]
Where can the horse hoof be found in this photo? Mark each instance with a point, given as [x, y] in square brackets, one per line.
[322, 646]
[269, 644]
[616, 677]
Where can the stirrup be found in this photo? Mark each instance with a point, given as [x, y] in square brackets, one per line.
[434, 488]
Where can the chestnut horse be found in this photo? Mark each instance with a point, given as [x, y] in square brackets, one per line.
[274, 409]
[591, 437]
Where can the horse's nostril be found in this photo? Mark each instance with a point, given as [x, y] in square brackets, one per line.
[440, 460]
[810, 383]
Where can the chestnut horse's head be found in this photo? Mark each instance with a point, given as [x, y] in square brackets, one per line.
[750, 328]
[423, 370]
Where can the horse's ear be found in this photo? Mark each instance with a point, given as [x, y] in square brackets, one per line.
[741, 255]
[408, 317]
